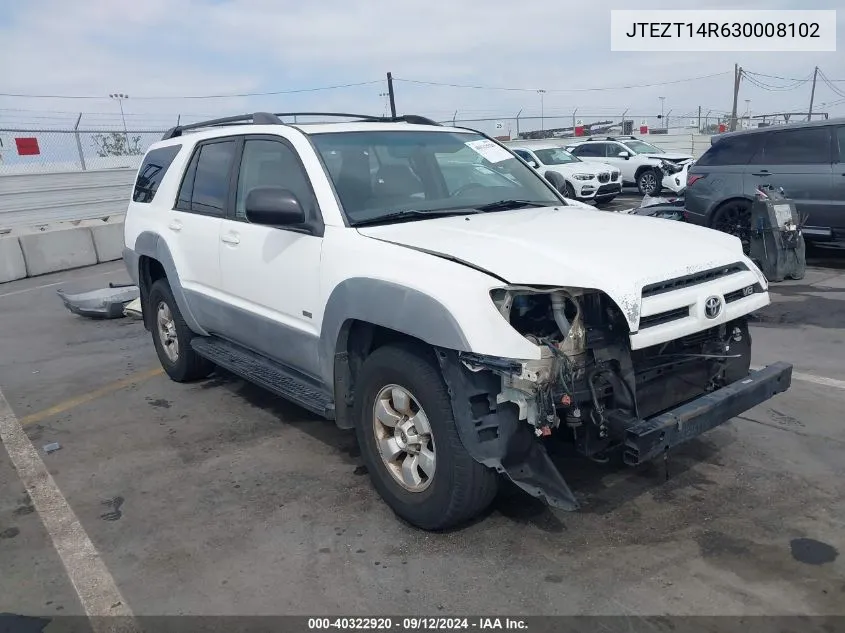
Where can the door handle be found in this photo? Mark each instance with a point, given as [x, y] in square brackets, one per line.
[762, 172]
[176, 225]
[231, 239]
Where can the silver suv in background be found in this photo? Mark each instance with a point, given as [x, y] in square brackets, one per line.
[806, 159]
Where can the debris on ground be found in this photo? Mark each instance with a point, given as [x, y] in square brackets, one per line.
[52, 448]
[133, 309]
[105, 303]
[659, 207]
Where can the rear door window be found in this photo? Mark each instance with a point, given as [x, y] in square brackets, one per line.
[808, 146]
[590, 150]
[153, 169]
[205, 188]
[736, 150]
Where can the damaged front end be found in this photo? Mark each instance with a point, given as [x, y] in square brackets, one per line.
[590, 388]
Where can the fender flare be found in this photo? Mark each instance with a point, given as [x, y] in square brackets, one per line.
[155, 247]
[388, 305]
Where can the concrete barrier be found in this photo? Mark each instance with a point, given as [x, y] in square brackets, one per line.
[54, 249]
[12, 265]
[108, 238]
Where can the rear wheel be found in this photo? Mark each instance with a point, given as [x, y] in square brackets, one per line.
[734, 217]
[172, 337]
[410, 444]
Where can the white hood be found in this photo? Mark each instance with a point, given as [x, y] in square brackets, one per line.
[617, 254]
[584, 167]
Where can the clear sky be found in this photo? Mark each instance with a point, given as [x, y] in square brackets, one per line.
[174, 48]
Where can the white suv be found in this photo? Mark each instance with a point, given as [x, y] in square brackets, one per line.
[575, 178]
[642, 164]
[453, 322]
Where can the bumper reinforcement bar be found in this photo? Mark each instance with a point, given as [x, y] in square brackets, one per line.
[650, 438]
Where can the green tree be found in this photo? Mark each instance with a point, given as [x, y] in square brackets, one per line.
[117, 144]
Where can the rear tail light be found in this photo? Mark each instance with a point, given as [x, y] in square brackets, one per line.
[693, 178]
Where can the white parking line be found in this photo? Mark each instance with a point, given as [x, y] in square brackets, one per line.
[819, 380]
[92, 581]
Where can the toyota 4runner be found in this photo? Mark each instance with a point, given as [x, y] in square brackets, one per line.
[454, 324]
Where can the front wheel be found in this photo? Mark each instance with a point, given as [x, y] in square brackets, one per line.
[410, 443]
[649, 182]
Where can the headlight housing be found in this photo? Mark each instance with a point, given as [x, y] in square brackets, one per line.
[583, 176]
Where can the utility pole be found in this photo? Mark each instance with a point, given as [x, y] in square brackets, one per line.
[662, 101]
[813, 93]
[542, 93]
[737, 78]
[391, 94]
[699, 119]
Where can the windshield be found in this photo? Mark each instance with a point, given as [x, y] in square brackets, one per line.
[641, 147]
[383, 173]
[556, 156]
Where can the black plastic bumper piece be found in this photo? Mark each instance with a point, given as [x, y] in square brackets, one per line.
[650, 438]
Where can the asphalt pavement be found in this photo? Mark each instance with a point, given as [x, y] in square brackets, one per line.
[218, 498]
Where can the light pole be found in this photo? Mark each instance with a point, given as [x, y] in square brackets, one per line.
[386, 96]
[662, 101]
[119, 97]
[542, 92]
[748, 112]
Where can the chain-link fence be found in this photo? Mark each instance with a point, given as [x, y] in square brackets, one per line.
[25, 151]
[56, 150]
[577, 124]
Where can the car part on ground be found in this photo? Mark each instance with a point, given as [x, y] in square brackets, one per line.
[105, 303]
[134, 309]
[659, 207]
[427, 288]
[777, 244]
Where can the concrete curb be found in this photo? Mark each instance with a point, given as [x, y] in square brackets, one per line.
[12, 264]
[33, 251]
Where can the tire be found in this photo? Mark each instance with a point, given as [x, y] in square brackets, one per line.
[459, 488]
[557, 181]
[569, 191]
[186, 364]
[649, 182]
[734, 217]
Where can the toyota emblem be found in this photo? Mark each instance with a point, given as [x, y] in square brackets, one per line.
[712, 307]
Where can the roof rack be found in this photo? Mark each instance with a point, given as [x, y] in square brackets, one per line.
[405, 118]
[267, 118]
[256, 118]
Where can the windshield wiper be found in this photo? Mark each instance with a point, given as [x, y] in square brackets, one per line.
[506, 205]
[413, 214]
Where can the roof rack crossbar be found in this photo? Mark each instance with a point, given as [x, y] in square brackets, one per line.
[257, 118]
[267, 118]
[406, 118]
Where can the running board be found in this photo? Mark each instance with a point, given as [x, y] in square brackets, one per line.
[265, 373]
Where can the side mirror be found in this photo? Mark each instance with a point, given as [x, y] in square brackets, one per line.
[624, 154]
[533, 163]
[273, 206]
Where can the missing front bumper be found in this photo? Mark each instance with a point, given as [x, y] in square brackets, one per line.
[650, 438]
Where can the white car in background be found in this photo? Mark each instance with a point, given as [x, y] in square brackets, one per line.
[575, 178]
[642, 164]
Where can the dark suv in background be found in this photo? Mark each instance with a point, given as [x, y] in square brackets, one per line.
[806, 159]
